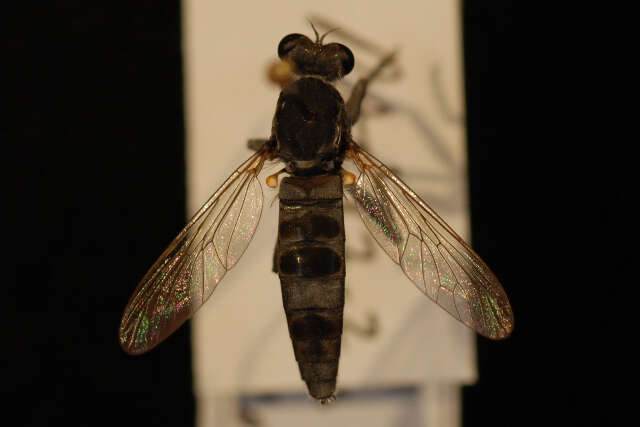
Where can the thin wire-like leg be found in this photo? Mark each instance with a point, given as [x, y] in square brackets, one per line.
[359, 90]
[256, 143]
[274, 266]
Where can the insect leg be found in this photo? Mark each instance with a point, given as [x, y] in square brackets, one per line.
[274, 267]
[256, 143]
[360, 89]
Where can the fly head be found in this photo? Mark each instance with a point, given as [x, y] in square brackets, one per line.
[331, 61]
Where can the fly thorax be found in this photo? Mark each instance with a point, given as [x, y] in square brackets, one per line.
[309, 124]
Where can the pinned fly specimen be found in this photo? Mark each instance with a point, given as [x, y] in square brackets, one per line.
[311, 138]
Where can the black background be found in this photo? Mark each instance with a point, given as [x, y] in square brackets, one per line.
[93, 123]
[93, 98]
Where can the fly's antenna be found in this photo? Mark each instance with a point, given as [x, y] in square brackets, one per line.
[328, 32]
[315, 31]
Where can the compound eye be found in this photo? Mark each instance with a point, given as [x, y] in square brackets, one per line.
[290, 42]
[341, 59]
[346, 59]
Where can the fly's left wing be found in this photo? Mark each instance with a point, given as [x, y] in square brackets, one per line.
[189, 270]
[438, 261]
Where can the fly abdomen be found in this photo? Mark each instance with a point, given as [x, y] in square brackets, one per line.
[310, 262]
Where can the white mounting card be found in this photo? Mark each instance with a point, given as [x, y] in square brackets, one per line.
[413, 121]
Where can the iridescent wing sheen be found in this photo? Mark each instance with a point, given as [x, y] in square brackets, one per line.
[189, 270]
[430, 253]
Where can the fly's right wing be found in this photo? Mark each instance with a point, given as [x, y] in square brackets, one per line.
[438, 261]
[189, 270]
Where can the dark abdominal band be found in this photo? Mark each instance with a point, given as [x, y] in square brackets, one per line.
[310, 262]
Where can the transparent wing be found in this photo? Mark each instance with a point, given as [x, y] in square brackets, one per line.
[189, 270]
[431, 254]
